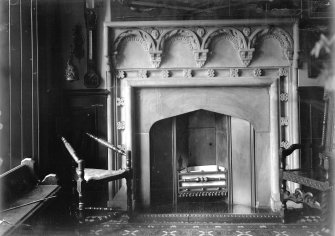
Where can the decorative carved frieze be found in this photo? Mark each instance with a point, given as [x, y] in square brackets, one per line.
[119, 102]
[234, 72]
[282, 72]
[284, 39]
[210, 73]
[283, 97]
[121, 125]
[142, 74]
[258, 72]
[187, 73]
[165, 73]
[284, 121]
[120, 74]
[199, 39]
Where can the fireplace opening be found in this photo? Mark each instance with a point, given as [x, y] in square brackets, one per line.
[199, 159]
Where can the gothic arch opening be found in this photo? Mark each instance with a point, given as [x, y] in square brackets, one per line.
[197, 160]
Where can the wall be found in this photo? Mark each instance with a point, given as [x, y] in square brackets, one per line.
[57, 19]
[19, 111]
[72, 14]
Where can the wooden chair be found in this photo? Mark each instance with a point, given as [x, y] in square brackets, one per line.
[320, 179]
[87, 176]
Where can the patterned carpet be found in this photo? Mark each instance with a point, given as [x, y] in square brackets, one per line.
[307, 226]
[202, 229]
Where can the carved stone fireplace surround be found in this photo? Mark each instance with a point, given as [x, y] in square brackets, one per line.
[242, 68]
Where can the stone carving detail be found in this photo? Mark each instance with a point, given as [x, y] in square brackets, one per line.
[155, 34]
[165, 73]
[210, 73]
[156, 58]
[258, 72]
[121, 125]
[119, 102]
[201, 32]
[285, 40]
[199, 39]
[246, 55]
[282, 72]
[283, 97]
[200, 57]
[186, 35]
[142, 74]
[187, 73]
[234, 72]
[122, 147]
[246, 31]
[120, 74]
[145, 40]
[284, 121]
[284, 144]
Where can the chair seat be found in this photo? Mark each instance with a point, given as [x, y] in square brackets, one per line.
[101, 174]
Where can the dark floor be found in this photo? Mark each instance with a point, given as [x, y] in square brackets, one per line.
[56, 219]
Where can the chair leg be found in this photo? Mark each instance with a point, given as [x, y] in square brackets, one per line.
[81, 200]
[129, 196]
[283, 200]
[325, 212]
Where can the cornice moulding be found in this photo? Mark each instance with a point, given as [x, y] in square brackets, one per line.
[198, 23]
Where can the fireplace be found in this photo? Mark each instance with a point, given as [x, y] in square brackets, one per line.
[198, 157]
[186, 108]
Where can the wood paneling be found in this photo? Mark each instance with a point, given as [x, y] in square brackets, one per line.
[18, 89]
[4, 87]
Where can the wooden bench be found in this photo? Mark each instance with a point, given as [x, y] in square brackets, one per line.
[22, 194]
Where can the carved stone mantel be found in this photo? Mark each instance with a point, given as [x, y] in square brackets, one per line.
[244, 38]
[141, 58]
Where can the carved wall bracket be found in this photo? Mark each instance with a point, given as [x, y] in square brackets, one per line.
[156, 58]
[246, 55]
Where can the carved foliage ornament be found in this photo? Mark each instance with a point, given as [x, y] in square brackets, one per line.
[200, 39]
[119, 102]
[211, 73]
[234, 72]
[258, 72]
[121, 125]
[165, 73]
[187, 73]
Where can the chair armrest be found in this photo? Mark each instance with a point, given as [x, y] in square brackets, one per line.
[70, 149]
[288, 151]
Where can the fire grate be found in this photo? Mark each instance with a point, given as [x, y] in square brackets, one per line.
[203, 181]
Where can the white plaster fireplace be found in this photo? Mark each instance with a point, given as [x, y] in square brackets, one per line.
[243, 69]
